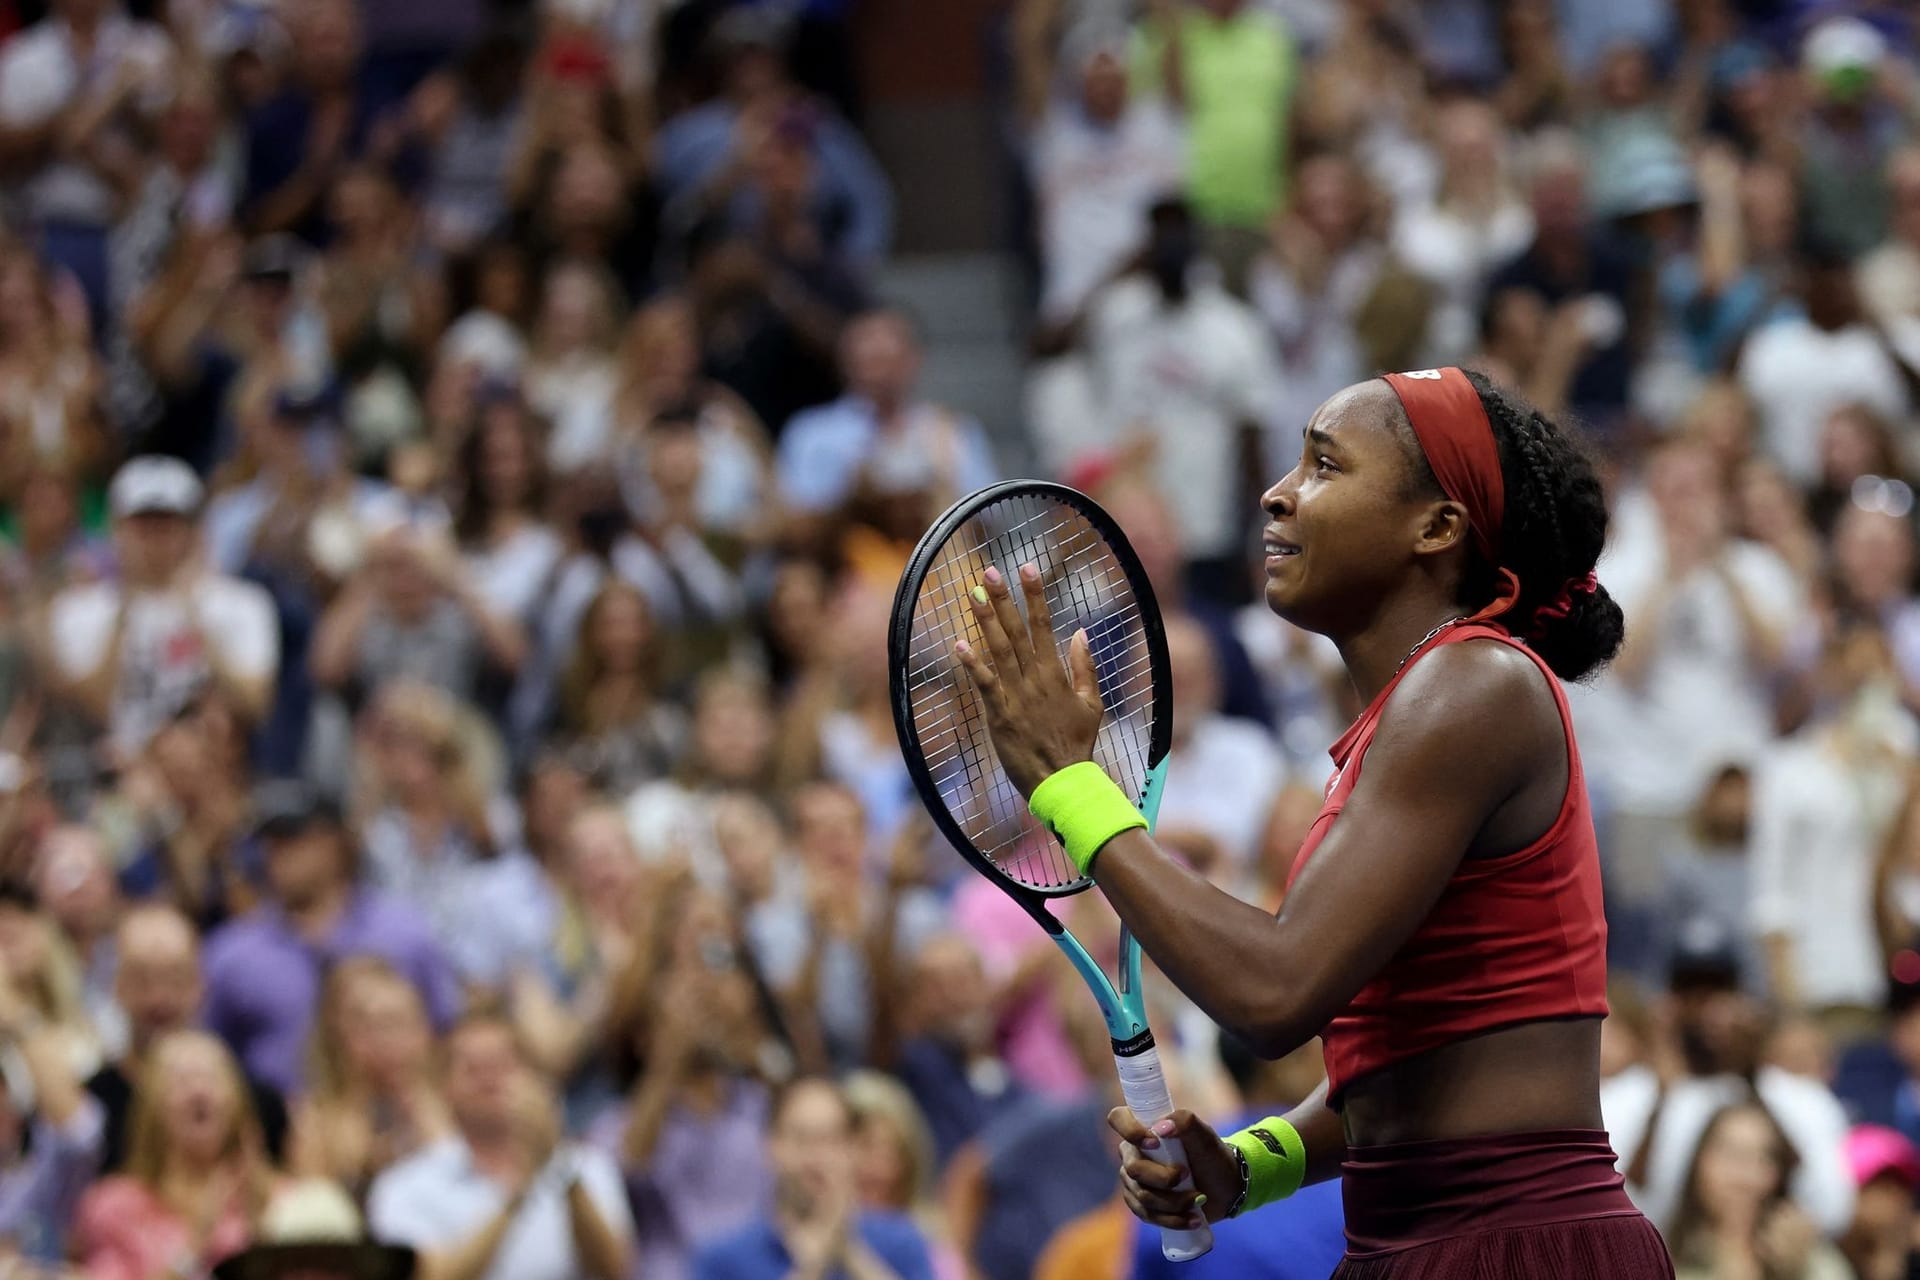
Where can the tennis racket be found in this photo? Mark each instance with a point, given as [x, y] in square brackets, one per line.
[1093, 580]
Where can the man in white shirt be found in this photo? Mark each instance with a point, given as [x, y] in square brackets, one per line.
[504, 1198]
[1798, 370]
[1183, 370]
[1098, 157]
[135, 652]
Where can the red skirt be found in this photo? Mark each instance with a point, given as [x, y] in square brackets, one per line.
[1521, 1206]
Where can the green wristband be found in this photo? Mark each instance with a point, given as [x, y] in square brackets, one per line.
[1276, 1161]
[1084, 809]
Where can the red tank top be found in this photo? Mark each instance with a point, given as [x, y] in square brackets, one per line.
[1512, 939]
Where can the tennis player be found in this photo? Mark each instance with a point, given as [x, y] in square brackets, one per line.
[1442, 929]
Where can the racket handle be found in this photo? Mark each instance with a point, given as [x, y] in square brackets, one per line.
[1144, 1086]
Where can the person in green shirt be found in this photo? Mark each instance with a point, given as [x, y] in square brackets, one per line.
[1231, 69]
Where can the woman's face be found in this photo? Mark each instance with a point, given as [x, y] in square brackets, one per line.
[198, 1106]
[1873, 553]
[733, 732]
[502, 284]
[881, 1169]
[412, 764]
[621, 631]
[1849, 449]
[1764, 493]
[798, 604]
[1739, 1168]
[601, 863]
[504, 464]
[667, 344]
[386, 1035]
[1343, 527]
[570, 310]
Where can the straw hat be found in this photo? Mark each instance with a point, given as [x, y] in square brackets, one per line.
[313, 1231]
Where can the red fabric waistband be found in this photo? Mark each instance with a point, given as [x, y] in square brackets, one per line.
[1414, 1193]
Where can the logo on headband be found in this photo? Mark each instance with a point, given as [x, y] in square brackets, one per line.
[1431, 375]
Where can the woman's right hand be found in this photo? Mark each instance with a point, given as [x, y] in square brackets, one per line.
[1149, 1187]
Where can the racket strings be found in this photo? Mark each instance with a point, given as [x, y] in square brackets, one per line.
[1086, 586]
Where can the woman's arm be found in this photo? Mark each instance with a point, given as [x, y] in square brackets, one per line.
[1275, 982]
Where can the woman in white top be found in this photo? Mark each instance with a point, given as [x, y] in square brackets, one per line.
[509, 548]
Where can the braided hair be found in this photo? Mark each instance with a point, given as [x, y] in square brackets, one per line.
[1556, 525]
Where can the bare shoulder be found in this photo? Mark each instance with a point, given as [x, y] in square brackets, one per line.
[1479, 692]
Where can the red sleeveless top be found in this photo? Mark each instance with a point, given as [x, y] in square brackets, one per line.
[1516, 938]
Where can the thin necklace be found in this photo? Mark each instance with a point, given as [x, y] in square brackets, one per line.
[1418, 647]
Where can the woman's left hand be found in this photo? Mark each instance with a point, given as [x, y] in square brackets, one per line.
[1043, 715]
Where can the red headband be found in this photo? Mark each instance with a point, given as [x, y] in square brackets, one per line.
[1451, 425]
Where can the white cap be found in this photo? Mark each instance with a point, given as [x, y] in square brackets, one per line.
[154, 483]
[1840, 43]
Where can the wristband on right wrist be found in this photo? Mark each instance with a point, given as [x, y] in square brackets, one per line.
[1275, 1158]
[1084, 808]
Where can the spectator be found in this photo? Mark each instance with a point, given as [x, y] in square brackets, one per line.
[571, 371]
[661, 380]
[39, 977]
[50, 379]
[191, 814]
[689, 1133]
[815, 1223]
[1338, 301]
[947, 1056]
[372, 1098]
[157, 980]
[79, 83]
[1818, 929]
[197, 1176]
[826, 453]
[264, 970]
[1798, 370]
[1474, 222]
[300, 139]
[1734, 1211]
[1213, 757]
[1182, 371]
[505, 1195]
[74, 882]
[1886, 1168]
[412, 612]
[1714, 1055]
[608, 694]
[895, 1162]
[1098, 154]
[711, 143]
[132, 653]
[1848, 136]
[511, 553]
[1229, 68]
[50, 1133]
[1888, 277]
[1876, 1078]
[430, 837]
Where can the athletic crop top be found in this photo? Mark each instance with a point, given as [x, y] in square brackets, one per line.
[1516, 938]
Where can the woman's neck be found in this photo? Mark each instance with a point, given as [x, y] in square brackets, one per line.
[1375, 654]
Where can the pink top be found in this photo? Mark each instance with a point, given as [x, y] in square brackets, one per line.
[123, 1231]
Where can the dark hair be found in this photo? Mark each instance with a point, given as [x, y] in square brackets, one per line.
[1554, 528]
[1690, 1219]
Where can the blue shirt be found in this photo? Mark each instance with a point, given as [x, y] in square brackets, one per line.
[263, 978]
[757, 1254]
[823, 450]
[1301, 1238]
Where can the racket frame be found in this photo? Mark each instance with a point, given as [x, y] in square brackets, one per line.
[1122, 1004]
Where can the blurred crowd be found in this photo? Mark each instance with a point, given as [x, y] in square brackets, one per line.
[455, 460]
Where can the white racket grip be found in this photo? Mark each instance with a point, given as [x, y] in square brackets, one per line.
[1144, 1086]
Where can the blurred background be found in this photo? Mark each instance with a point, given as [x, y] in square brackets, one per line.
[456, 456]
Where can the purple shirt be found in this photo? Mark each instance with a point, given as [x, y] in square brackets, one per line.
[263, 978]
[707, 1180]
